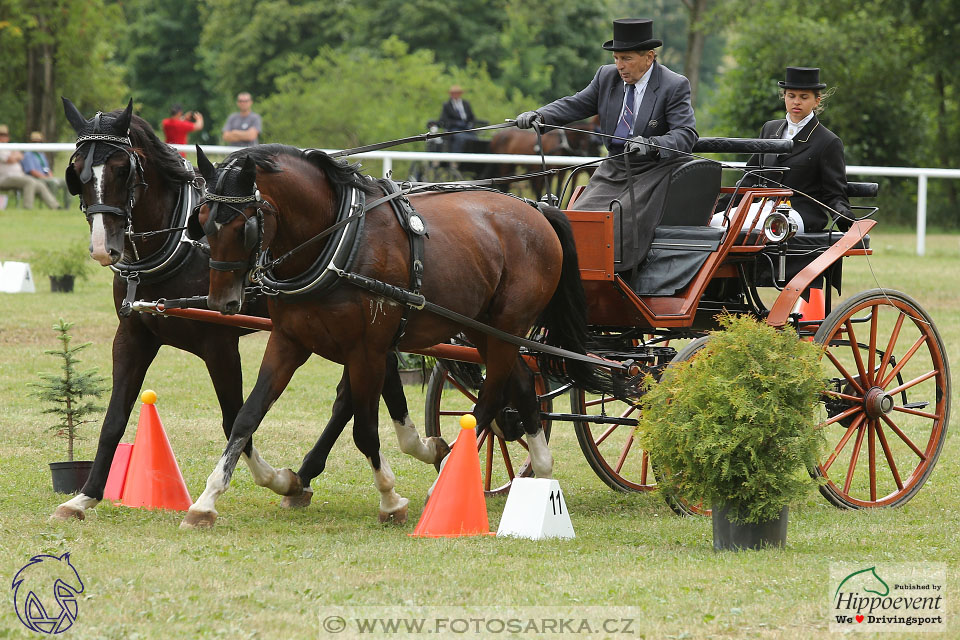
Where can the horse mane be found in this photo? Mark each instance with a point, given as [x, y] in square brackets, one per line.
[340, 172]
[158, 153]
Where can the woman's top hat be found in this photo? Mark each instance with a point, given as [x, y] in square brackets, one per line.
[802, 78]
[632, 34]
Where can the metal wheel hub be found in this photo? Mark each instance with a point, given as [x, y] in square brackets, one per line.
[877, 402]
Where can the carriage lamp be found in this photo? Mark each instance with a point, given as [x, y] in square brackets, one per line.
[778, 227]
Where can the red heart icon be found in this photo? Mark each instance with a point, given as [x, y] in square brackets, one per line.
[859, 618]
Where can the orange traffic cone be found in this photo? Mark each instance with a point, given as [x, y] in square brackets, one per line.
[812, 310]
[153, 477]
[113, 490]
[457, 507]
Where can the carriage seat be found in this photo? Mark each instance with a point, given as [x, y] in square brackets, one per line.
[682, 241]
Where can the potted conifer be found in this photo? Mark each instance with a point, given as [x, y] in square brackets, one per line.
[735, 426]
[67, 395]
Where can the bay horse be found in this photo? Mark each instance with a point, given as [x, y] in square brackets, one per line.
[555, 142]
[487, 255]
[118, 156]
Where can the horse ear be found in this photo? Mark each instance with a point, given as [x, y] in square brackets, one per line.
[123, 122]
[248, 174]
[206, 167]
[74, 117]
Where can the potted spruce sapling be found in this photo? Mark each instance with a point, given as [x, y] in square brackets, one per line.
[69, 396]
[734, 423]
[63, 265]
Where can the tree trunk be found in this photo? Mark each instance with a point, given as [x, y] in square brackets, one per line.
[41, 114]
[695, 41]
[943, 136]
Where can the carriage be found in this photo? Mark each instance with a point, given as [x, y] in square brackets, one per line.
[888, 375]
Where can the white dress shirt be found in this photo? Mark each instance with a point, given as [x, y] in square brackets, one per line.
[638, 89]
[793, 129]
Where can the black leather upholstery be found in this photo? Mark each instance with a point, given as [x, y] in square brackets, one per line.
[692, 194]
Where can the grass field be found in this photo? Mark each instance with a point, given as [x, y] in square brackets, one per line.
[264, 572]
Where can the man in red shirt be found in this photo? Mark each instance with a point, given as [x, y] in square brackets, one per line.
[176, 127]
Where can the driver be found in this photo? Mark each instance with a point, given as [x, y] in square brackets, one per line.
[640, 101]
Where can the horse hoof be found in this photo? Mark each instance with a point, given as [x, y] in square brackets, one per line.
[294, 485]
[64, 513]
[199, 520]
[442, 449]
[396, 517]
[298, 501]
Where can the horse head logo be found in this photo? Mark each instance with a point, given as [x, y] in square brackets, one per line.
[32, 598]
[865, 580]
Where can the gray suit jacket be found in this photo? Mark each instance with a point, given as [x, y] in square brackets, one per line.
[665, 114]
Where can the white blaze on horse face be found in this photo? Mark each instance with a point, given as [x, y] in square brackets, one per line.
[98, 233]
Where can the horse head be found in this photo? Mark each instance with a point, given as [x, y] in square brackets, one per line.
[231, 216]
[107, 175]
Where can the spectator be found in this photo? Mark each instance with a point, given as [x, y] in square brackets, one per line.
[457, 115]
[177, 126]
[243, 127]
[12, 176]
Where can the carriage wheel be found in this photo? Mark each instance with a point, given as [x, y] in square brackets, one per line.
[887, 406]
[611, 447]
[449, 396]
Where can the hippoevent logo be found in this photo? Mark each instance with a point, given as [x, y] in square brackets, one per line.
[45, 593]
[894, 597]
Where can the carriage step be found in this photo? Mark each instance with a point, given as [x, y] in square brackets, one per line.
[916, 405]
[578, 417]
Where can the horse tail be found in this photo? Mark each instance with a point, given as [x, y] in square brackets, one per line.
[564, 320]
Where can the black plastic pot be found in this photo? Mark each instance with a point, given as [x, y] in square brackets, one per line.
[69, 477]
[734, 536]
[62, 284]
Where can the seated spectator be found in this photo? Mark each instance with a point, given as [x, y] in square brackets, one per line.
[178, 126]
[35, 163]
[12, 176]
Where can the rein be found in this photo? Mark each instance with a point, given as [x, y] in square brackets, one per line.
[417, 138]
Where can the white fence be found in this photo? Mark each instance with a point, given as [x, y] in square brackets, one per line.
[388, 157]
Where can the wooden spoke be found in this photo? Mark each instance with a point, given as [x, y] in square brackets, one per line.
[506, 458]
[623, 453]
[843, 372]
[906, 358]
[855, 347]
[842, 416]
[853, 461]
[914, 412]
[872, 349]
[889, 456]
[888, 353]
[489, 464]
[843, 442]
[903, 437]
[465, 391]
[872, 457]
[914, 382]
[843, 396]
[644, 465]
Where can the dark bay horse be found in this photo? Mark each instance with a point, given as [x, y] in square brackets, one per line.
[555, 142]
[487, 255]
[129, 181]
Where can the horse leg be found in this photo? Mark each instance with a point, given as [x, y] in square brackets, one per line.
[134, 349]
[223, 364]
[431, 450]
[366, 378]
[522, 393]
[281, 359]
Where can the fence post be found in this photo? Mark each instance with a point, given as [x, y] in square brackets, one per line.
[921, 214]
[387, 167]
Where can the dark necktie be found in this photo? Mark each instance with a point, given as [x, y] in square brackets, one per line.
[625, 123]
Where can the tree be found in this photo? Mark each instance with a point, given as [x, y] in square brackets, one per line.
[57, 47]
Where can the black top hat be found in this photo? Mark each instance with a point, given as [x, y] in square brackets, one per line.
[632, 34]
[802, 78]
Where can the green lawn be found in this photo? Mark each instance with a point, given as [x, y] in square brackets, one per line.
[264, 572]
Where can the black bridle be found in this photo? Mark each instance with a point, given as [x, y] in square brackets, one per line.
[252, 226]
[135, 179]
